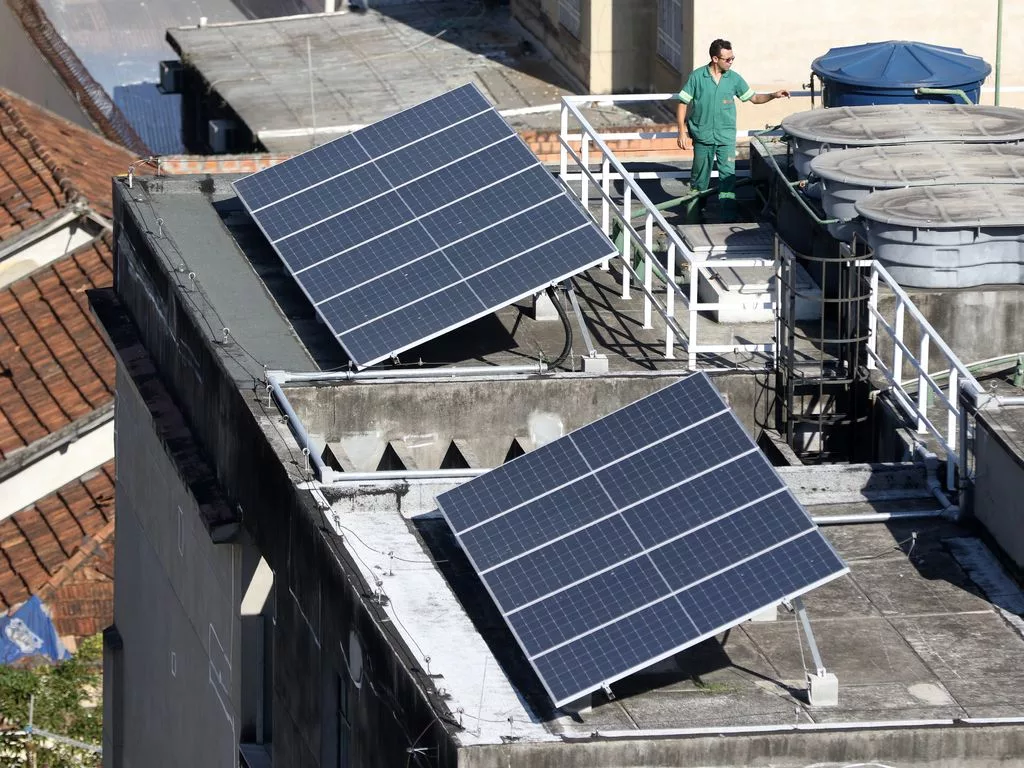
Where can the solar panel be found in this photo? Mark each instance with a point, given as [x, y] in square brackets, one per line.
[419, 224]
[635, 537]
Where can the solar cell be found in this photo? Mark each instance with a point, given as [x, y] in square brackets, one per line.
[635, 537]
[420, 223]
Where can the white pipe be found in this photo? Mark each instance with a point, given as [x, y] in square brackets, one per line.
[407, 474]
[949, 510]
[325, 473]
[1000, 402]
[872, 517]
[791, 727]
[285, 377]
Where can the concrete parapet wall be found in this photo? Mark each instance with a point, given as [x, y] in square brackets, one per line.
[949, 747]
[489, 415]
[999, 477]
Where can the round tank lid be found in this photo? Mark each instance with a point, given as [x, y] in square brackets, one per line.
[905, 165]
[904, 123]
[949, 207]
[901, 64]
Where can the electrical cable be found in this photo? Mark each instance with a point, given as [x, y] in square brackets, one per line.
[566, 326]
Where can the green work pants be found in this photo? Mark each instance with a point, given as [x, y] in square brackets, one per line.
[704, 156]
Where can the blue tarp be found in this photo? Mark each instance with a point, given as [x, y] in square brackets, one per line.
[29, 632]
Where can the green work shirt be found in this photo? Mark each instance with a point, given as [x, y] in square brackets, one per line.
[712, 118]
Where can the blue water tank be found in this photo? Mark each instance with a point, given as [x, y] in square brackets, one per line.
[889, 73]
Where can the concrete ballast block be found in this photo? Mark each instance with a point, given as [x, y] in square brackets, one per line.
[823, 690]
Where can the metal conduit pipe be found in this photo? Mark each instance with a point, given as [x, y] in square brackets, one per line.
[285, 377]
[1001, 402]
[791, 727]
[408, 474]
[791, 185]
[949, 510]
[873, 517]
[323, 472]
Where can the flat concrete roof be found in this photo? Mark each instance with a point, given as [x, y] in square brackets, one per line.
[121, 42]
[924, 627]
[367, 66]
[924, 631]
[268, 315]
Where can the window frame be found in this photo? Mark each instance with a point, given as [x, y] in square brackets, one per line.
[569, 15]
[670, 33]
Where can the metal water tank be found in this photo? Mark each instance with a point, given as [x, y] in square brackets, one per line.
[821, 130]
[958, 236]
[850, 175]
[891, 72]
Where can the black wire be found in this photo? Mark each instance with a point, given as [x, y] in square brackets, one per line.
[566, 326]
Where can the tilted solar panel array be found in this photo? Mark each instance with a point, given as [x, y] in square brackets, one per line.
[635, 537]
[420, 223]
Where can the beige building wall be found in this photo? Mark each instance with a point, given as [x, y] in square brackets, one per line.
[610, 54]
[540, 18]
[774, 49]
[774, 45]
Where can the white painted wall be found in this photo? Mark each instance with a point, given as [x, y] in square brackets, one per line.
[57, 469]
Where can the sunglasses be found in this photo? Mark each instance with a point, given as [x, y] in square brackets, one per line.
[730, 60]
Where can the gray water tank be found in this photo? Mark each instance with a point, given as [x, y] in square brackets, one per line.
[849, 175]
[957, 236]
[820, 130]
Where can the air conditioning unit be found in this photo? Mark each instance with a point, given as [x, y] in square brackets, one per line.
[221, 136]
[171, 76]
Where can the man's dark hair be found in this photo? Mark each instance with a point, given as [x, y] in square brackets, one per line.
[718, 46]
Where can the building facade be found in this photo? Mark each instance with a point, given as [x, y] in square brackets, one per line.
[625, 46]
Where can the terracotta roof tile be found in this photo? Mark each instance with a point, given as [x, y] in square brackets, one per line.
[47, 161]
[54, 365]
[61, 548]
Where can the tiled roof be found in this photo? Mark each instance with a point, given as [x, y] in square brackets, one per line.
[61, 548]
[55, 367]
[54, 364]
[47, 162]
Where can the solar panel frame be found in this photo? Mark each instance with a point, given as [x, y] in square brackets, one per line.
[457, 198]
[520, 500]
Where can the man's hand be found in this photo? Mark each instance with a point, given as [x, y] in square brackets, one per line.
[783, 94]
[684, 141]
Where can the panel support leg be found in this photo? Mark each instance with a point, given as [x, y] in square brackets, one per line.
[593, 362]
[822, 686]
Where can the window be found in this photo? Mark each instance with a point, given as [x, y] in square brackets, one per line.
[569, 16]
[670, 32]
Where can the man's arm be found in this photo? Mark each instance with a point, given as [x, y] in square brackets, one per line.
[682, 115]
[685, 99]
[764, 98]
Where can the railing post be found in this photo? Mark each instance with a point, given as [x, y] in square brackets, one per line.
[627, 239]
[670, 301]
[897, 350]
[923, 384]
[563, 154]
[953, 421]
[606, 215]
[691, 343]
[585, 159]
[648, 269]
[872, 320]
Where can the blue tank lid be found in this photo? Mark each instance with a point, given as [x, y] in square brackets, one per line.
[900, 63]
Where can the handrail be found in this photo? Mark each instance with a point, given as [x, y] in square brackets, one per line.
[958, 375]
[643, 242]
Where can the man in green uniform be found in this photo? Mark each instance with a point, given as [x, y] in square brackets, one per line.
[707, 122]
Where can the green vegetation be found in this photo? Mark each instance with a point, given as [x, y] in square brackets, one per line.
[68, 702]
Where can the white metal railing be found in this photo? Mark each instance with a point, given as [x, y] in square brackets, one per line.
[922, 362]
[598, 176]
